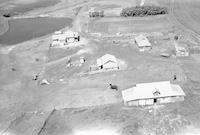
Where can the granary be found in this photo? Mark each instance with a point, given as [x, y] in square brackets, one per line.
[107, 62]
[63, 38]
[152, 93]
[181, 49]
[143, 43]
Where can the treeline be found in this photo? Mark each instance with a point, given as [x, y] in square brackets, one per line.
[143, 11]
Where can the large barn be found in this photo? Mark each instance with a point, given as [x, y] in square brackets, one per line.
[152, 93]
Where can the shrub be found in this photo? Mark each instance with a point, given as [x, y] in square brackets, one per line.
[143, 11]
[6, 15]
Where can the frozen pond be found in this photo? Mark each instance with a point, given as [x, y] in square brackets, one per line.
[25, 29]
[20, 6]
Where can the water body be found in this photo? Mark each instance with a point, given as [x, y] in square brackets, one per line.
[21, 30]
[17, 8]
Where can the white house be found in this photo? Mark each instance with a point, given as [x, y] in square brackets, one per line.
[152, 93]
[107, 62]
[71, 36]
[63, 38]
[143, 43]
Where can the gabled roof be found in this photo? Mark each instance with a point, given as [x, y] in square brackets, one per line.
[106, 58]
[142, 41]
[152, 90]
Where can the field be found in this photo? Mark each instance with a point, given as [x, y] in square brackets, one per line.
[130, 25]
[78, 103]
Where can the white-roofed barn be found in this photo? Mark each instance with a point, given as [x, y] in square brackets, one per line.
[152, 93]
[107, 61]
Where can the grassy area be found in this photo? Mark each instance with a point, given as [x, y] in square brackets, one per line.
[129, 25]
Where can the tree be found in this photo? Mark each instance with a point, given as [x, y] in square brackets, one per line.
[143, 11]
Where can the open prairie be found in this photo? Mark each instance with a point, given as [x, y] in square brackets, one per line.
[76, 101]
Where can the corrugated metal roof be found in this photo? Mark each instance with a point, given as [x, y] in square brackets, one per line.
[142, 41]
[106, 58]
[152, 90]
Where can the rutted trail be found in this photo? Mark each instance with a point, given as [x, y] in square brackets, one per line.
[185, 15]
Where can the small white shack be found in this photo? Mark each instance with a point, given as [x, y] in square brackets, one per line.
[152, 93]
[181, 49]
[107, 62]
[143, 43]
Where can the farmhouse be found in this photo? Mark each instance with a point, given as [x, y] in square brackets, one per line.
[152, 93]
[143, 43]
[63, 38]
[107, 62]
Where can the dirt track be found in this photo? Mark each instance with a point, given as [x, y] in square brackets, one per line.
[186, 13]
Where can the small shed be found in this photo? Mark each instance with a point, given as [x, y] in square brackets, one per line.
[107, 61]
[181, 49]
[143, 43]
[152, 93]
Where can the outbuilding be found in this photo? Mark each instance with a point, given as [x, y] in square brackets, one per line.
[143, 43]
[107, 62]
[152, 93]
